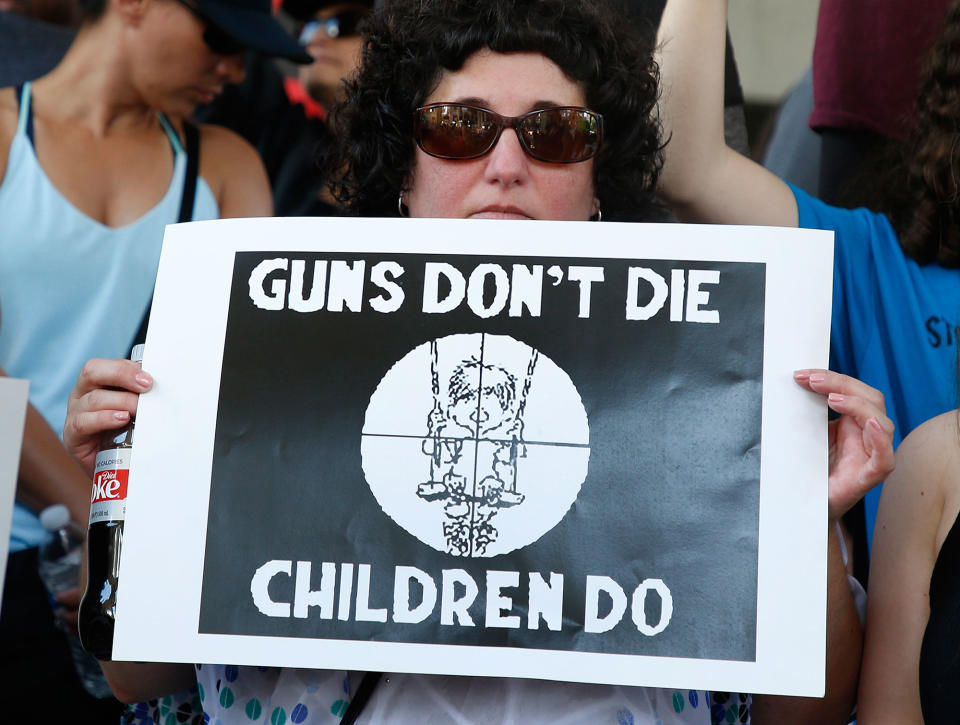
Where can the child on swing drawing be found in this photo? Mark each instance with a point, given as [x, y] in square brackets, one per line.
[482, 407]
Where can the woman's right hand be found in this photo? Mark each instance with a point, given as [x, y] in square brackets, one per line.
[104, 398]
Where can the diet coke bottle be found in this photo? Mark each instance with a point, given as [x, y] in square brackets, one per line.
[104, 537]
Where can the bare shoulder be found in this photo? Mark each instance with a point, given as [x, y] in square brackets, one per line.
[233, 170]
[928, 466]
[933, 447]
[9, 110]
[225, 150]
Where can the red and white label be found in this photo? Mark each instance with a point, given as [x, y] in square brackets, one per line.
[108, 501]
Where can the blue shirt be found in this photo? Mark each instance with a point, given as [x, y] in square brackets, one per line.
[894, 321]
[70, 287]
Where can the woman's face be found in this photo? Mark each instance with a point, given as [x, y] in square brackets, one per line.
[506, 183]
[333, 58]
[175, 70]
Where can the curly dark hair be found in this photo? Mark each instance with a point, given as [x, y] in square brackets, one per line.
[408, 43]
[916, 183]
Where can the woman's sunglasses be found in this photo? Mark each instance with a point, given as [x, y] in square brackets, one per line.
[342, 25]
[560, 135]
[216, 39]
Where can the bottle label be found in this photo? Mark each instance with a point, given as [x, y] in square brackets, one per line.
[109, 499]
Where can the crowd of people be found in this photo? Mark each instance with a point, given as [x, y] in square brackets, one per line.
[149, 112]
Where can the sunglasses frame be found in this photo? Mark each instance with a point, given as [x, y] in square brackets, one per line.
[503, 122]
[217, 39]
[332, 26]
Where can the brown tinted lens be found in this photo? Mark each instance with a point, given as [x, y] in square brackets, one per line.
[561, 135]
[456, 132]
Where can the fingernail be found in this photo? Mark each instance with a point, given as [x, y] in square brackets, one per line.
[836, 398]
[121, 415]
[817, 378]
[801, 374]
[875, 424]
[144, 380]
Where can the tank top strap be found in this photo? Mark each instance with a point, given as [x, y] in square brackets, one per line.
[171, 132]
[25, 114]
[25, 119]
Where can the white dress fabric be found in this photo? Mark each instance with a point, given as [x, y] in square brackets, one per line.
[234, 695]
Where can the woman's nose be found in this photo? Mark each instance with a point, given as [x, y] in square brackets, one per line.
[507, 162]
[231, 68]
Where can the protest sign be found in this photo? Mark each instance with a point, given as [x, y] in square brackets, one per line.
[556, 450]
[13, 409]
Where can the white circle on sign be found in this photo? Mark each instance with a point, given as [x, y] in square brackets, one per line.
[476, 444]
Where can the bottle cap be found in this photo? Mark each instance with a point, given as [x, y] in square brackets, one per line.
[53, 518]
[136, 354]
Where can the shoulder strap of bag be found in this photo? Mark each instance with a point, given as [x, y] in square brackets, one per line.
[360, 700]
[192, 136]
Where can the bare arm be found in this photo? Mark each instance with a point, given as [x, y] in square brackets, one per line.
[844, 644]
[861, 456]
[235, 173]
[704, 180]
[917, 509]
[48, 474]
[141, 681]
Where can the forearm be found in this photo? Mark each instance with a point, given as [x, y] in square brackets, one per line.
[141, 681]
[48, 474]
[691, 43]
[844, 645]
[703, 180]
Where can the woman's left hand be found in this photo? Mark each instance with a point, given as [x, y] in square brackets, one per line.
[861, 439]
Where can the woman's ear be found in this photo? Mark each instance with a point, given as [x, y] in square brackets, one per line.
[131, 11]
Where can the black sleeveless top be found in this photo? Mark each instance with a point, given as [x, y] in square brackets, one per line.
[940, 653]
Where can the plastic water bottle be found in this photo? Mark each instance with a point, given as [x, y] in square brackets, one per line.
[59, 567]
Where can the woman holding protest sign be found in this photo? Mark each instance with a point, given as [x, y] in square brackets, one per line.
[431, 128]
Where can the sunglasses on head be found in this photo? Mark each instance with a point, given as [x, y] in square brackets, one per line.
[559, 135]
[342, 25]
[216, 39]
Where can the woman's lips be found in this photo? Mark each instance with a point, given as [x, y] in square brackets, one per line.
[206, 95]
[500, 212]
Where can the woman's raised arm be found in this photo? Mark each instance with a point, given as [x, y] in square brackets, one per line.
[704, 180]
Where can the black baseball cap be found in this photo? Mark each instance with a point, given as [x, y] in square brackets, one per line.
[251, 23]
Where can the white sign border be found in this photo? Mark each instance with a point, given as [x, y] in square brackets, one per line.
[13, 412]
[159, 623]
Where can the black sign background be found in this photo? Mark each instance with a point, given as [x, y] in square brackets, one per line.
[672, 490]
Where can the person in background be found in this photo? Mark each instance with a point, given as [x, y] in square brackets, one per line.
[910, 665]
[562, 64]
[868, 60]
[284, 117]
[896, 302]
[94, 162]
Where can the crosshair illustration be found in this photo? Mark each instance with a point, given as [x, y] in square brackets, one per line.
[476, 444]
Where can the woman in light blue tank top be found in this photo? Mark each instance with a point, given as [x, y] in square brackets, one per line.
[92, 168]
